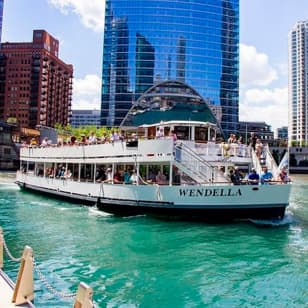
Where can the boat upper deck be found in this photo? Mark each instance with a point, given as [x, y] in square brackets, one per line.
[143, 150]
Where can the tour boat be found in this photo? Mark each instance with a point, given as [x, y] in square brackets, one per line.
[182, 177]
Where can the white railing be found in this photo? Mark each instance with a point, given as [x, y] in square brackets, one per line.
[192, 164]
[220, 151]
[271, 163]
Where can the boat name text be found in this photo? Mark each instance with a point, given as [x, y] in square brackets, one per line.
[210, 192]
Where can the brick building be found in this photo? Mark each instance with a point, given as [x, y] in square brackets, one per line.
[35, 85]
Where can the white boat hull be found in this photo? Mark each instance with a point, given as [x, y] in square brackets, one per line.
[210, 201]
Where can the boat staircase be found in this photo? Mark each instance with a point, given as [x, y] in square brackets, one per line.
[267, 160]
[192, 164]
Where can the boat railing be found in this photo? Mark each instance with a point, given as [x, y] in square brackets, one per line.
[23, 290]
[192, 164]
[271, 163]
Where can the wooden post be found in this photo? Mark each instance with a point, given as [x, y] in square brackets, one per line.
[24, 288]
[1, 248]
[84, 296]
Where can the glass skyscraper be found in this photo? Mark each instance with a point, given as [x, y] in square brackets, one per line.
[195, 42]
[1, 17]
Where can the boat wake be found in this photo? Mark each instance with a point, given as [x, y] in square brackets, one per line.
[8, 186]
[288, 219]
[94, 211]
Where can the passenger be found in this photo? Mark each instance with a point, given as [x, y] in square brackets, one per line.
[266, 176]
[241, 147]
[92, 138]
[100, 175]
[152, 176]
[160, 133]
[83, 140]
[259, 148]
[283, 176]
[235, 176]
[252, 140]
[44, 142]
[33, 142]
[160, 178]
[126, 177]
[253, 177]
[232, 139]
[133, 178]
[117, 178]
[109, 175]
[176, 177]
[73, 140]
[68, 174]
[173, 135]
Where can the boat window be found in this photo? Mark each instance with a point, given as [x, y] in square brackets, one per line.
[182, 132]
[201, 134]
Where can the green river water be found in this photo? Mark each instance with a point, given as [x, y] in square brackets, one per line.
[146, 262]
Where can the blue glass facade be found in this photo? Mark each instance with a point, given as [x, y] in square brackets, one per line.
[192, 41]
[1, 17]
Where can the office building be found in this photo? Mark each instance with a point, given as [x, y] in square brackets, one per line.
[85, 117]
[151, 42]
[261, 129]
[282, 133]
[298, 84]
[35, 85]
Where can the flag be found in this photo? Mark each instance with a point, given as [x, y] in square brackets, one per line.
[284, 163]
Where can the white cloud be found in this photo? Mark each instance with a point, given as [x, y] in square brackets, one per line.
[265, 105]
[91, 12]
[86, 92]
[255, 69]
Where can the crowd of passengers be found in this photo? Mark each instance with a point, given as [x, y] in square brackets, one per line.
[253, 178]
[105, 175]
[114, 136]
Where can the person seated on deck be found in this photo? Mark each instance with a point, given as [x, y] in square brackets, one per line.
[117, 178]
[151, 177]
[160, 133]
[133, 178]
[33, 142]
[92, 138]
[68, 174]
[126, 177]
[62, 173]
[83, 140]
[100, 175]
[283, 176]
[235, 176]
[44, 142]
[109, 176]
[266, 176]
[253, 177]
[173, 135]
[176, 177]
[161, 178]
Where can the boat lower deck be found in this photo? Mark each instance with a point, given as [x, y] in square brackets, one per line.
[207, 211]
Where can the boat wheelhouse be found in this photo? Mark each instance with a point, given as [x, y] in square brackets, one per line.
[156, 174]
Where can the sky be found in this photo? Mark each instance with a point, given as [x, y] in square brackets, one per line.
[78, 25]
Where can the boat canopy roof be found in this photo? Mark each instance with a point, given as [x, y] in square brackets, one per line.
[169, 101]
[180, 123]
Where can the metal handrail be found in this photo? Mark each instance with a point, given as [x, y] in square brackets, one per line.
[210, 171]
